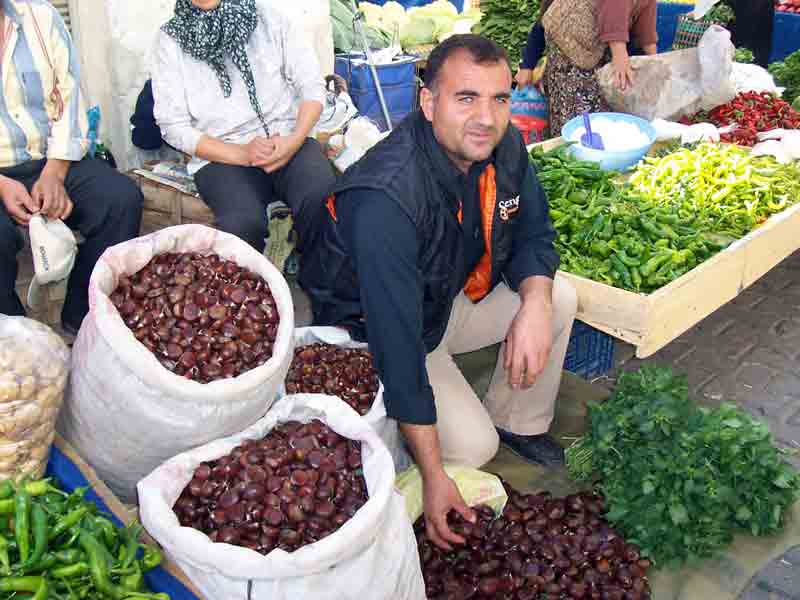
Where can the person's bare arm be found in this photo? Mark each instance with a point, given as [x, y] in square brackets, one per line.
[49, 192]
[650, 49]
[287, 146]
[256, 153]
[623, 71]
[440, 493]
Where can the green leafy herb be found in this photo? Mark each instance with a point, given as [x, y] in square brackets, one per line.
[787, 75]
[508, 22]
[680, 480]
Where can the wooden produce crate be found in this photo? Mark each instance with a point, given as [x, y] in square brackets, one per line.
[165, 206]
[70, 471]
[651, 321]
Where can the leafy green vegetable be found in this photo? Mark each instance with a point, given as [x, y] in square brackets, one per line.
[679, 480]
[508, 22]
[722, 14]
[743, 55]
[344, 35]
[787, 74]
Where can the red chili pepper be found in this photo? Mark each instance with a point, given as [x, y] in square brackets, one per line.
[753, 112]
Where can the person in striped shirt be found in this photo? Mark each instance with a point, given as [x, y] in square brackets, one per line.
[44, 168]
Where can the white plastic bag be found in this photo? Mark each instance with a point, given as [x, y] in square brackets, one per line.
[33, 374]
[125, 413]
[715, 52]
[752, 78]
[673, 84]
[701, 7]
[783, 144]
[372, 556]
[476, 487]
[385, 427]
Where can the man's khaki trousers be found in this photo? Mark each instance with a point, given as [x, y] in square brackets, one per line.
[466, 425]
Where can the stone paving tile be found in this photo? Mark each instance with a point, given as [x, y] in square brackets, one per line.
[780, 580]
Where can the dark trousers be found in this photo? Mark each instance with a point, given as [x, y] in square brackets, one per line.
[753, 27]
[239, 196]
[107, 210]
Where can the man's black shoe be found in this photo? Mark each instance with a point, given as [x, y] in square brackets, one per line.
[541, 449]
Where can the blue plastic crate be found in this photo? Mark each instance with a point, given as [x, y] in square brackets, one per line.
[590, 352]
[667, 22]
[69, 476]
[398, 83]
[785, 36]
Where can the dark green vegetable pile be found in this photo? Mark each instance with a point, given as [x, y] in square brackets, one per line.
[787, 75]
[679, 480]
[508, 22]
[744, 55]
[609, 233]
[57, 546]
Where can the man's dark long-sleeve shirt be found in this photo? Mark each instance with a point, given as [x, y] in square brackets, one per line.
[383, 243]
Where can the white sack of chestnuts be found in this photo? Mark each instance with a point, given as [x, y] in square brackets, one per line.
[374, 412]
[33, 375]
[144, 387]
[371, 555]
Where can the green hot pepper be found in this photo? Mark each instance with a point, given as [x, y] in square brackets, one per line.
[39, 521]
[152, 557]
[25, 584]
[68, 521]
[4, 561]
[98, 567]
[22, 525]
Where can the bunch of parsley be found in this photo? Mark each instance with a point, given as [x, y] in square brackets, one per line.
[680, 480]
[787, 75]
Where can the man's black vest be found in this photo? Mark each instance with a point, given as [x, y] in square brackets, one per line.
[399, 168]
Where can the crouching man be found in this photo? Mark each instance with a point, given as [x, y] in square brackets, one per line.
[439, 242]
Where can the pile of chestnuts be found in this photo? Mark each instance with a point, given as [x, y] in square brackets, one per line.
[539, 548]
[203, 317]
[347, 373]
[297, 485]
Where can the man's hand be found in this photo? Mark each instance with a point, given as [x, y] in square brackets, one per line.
[259, 151]
[530, 337]
[49, 193]
[285, 148]
[440, 496]
[18, 202]
[524, 77]
[439, 493]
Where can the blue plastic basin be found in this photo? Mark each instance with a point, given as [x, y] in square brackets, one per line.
[610, 161]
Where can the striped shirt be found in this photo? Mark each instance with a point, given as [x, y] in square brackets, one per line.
[28, 126]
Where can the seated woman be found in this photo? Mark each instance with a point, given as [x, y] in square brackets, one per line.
[597, 33]
[236, 87]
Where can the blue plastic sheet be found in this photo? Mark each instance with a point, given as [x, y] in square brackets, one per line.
[69, 477]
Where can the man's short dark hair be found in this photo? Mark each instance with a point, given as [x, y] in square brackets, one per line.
[482, 49]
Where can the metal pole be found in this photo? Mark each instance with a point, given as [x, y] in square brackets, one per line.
[357, 23]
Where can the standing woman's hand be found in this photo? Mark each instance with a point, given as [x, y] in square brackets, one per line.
[524, 77]
[621, 63]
